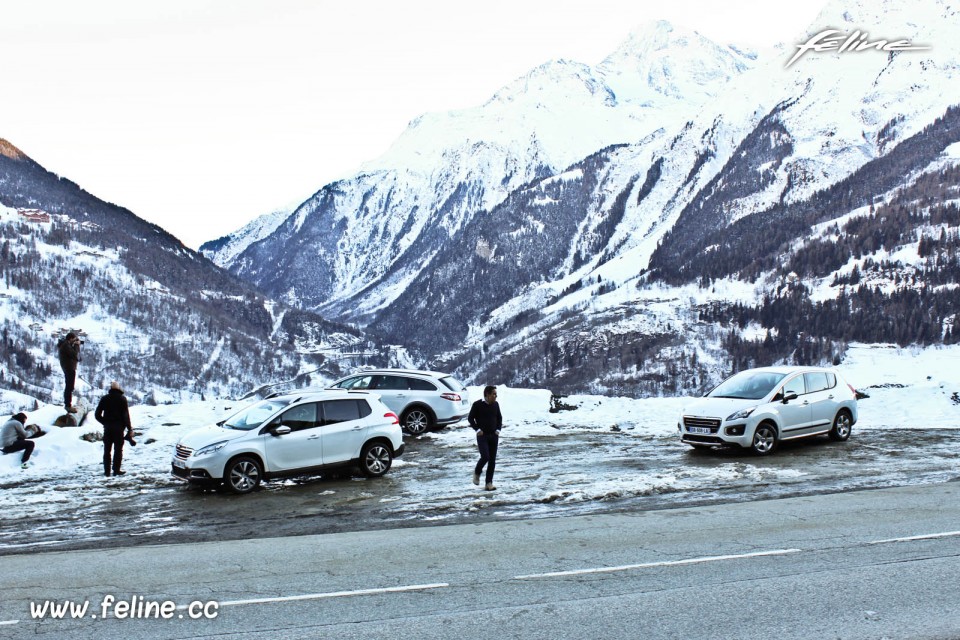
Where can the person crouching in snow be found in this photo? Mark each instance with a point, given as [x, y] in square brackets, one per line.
[13, 438]
[114, 414]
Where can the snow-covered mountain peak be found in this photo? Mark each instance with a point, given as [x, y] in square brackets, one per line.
[572, 80]
[919, 21]
[661, 58]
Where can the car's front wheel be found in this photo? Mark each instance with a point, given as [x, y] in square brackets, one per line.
[375, 459]
[415, 421]
[842, 426]
[764, 440]
[243, 474]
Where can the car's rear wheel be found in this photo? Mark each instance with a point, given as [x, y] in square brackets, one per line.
[242, 475]
[375, 459]
[415, 421]
[842, 426]
[764, 440]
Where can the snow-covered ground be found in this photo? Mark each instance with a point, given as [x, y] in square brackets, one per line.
[908, 388]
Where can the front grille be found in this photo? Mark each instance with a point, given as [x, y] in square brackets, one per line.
[689, 437]
[183, 452]
[710, 423]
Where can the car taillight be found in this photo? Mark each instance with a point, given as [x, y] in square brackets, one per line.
[452, 397]
[393, 416]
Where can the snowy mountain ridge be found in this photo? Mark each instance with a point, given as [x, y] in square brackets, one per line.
[448, 168]
[604, 259]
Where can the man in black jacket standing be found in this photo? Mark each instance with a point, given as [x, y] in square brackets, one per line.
[68, 351]
[114, 414]
[486, 420]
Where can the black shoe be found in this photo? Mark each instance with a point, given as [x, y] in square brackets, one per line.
[106, 473]
[119, 473]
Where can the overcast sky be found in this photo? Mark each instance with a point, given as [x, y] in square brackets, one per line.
[199, 115]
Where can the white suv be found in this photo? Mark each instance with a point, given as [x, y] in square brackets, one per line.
[292, 434]
[758, 408]
[422, 399]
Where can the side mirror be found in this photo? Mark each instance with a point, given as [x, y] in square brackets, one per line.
[790, 396]
[282, 430]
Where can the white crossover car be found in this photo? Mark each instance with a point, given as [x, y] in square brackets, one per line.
[293, 434]
[758, 408]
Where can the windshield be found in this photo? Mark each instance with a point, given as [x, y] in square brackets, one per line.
[748, 385]
[254, 415]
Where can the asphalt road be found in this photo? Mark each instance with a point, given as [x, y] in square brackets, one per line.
[859, 564]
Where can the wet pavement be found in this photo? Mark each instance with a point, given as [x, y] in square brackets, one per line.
[570, 473]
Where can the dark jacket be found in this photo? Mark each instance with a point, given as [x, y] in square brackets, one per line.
[69, 353]
[485, 417]
[112, 410]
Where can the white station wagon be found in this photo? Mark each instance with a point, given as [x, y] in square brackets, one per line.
[757, 408]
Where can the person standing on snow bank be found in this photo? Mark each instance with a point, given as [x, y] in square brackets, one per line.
[486, 420]
[13, 437]
[68, 350]
[114, 414]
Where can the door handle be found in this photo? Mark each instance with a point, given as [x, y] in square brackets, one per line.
[356, 428]
[313, 437]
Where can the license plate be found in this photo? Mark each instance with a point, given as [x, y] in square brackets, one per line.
[702, 431]
[180, 464]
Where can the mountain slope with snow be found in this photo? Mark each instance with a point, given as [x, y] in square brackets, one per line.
[690, 244]
[155, 315]
[351, 249]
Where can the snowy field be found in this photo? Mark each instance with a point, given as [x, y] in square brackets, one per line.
[910, 389]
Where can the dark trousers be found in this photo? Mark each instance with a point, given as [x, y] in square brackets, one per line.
[488, 454]
[21, 445]
[71, 379]
[112, 440]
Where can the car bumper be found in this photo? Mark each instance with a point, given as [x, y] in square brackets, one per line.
[196, 470]
[445, 422]
[721, 434]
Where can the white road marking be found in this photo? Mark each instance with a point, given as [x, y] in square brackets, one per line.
[648, 565]
[333, 594]
[8, 622]
[928, 536]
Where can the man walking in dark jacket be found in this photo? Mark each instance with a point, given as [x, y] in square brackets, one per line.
[68, 350]
[486, 420]
[114, 414]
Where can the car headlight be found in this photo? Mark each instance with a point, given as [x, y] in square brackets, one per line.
[210, 448]
[740, 415]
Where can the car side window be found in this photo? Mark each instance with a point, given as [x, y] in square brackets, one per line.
[301, 417]
[815, 381]
[416, 384]
[359, 382]
[335, 411]
[391, 383]
[364, 408]
[831, 381]
[794, 385]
